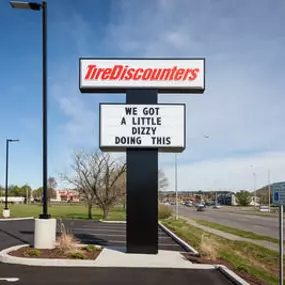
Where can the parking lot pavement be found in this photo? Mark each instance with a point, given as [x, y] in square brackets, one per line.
[126, 276]
[114, 234]
[111, 234]
[91, 232]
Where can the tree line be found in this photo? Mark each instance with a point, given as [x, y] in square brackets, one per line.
[27, 191]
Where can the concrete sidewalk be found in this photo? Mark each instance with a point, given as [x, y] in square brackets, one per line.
[264, 243]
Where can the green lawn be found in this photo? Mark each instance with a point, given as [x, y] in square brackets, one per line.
[65, 211]
[236, 231]
[257, 261]
[267, 215]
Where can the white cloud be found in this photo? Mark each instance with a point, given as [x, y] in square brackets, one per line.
[241, 110]
[230, 173]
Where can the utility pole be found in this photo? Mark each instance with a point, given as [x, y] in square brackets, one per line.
[254, 182]
[269, 191]
[176, 190]
[27, 194]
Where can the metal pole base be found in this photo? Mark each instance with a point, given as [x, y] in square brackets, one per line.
[45, 216]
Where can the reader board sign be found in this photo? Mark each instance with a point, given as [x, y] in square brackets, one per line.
[159, 126]
[278, 196]
[119, 75]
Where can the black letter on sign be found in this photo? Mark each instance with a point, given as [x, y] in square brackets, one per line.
[123, 122]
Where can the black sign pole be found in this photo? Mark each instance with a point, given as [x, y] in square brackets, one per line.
[142, 188]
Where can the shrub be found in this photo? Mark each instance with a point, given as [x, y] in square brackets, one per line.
[66, 241]
[209, 247]
[77, 255]
[32, 252]
[164, 211]
[91, 248]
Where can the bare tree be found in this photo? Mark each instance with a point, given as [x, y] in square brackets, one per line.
[99, 179]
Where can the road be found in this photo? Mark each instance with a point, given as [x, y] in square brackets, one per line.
[266, 226]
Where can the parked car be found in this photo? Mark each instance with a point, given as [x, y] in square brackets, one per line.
[188, 204]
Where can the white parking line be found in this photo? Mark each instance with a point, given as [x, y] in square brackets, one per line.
[110, 235]
[124, 242]
[101, 231]
[10, 279]
[98, 230]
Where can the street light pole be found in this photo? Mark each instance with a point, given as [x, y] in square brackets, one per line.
[38, 7]
[6, 178]
[269, 190]
[7, 173]
[254, 183]
[176, 182]
[176, 190]
[45, 214]
[45, 227]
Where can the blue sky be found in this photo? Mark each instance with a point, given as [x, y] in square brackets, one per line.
[242, 110]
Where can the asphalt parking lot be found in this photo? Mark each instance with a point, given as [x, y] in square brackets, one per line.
[89, 232]
[106, 276]
[106, 234]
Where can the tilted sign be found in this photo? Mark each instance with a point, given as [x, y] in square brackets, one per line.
[119, 75]
[159, 126]
[278, 196]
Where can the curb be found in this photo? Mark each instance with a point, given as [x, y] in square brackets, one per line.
[16, 219]
[53, 262]
[223, 269]
[181, 242]
[42, 262]
[231, 275]
[115, 222]
[6, 258]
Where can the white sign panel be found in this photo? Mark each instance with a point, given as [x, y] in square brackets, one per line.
[142, 126]
[278, 196]
[120, 75]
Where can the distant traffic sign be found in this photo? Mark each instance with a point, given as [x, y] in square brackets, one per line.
[279, 193]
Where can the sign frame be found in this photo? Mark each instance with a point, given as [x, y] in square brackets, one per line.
[168, 149]
[161, 90]
[277, 188]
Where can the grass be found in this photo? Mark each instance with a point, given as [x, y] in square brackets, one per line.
[64, 211]
[257, 261]
[236, 232]
[272, 215]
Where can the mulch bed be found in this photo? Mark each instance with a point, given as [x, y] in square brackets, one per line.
[53, 253]
[244, 275]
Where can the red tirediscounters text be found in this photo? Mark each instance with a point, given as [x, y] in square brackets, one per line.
[124, 72]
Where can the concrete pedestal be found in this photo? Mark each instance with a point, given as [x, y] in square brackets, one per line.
[45, 233]
[6, 213]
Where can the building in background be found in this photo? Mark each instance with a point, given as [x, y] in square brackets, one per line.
[67, 195]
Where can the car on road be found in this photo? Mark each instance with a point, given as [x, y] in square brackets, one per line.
[201, 208]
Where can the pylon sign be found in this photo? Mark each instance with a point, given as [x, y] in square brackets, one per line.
[142, 127]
